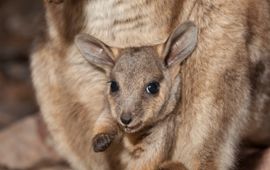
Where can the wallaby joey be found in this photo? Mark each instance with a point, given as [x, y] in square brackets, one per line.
[143, 95]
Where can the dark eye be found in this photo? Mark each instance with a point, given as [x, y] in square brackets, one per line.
[114, 86]
[152, 88]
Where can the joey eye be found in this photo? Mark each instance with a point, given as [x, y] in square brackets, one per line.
[114, 86]
[152, 88]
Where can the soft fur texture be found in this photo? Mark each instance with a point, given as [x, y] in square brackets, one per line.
[225, 83]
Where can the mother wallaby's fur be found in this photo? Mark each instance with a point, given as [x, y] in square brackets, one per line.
[144, 95]
[225, 83]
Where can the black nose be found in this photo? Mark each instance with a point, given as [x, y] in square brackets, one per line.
[126, 118]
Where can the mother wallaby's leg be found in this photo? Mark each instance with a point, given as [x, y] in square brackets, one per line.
[216, 88]
[65, 99]
[214, 116]
[69, 89]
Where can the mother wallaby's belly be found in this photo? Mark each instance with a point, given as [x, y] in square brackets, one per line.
[128, 23]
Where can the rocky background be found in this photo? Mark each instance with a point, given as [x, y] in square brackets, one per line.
[24, 142]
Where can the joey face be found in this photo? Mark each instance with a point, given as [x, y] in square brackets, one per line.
[138, 89]
[143, 83]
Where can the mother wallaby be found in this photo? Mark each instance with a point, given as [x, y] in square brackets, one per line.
[225, 83]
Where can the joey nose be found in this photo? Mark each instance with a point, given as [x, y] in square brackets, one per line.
[126, 118]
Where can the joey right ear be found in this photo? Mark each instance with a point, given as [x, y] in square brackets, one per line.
[95, 51]
[181, 43]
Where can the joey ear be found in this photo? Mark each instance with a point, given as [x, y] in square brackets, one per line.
[95, 51]
[180, 44]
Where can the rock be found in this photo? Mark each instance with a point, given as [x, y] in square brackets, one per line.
[23, 145]
[18, 20]
[19, 26]
[17, 98]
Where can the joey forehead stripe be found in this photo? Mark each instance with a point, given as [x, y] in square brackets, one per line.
[136, 64]
[135, 68]
[137, 60]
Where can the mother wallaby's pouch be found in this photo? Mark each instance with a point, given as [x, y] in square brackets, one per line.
[216, 83]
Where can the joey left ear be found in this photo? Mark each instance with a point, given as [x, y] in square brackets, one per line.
[180, 44]
[95, 51]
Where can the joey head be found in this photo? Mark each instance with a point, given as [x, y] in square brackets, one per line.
[143, 82]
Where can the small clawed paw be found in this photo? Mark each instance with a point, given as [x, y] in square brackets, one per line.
[102, 141]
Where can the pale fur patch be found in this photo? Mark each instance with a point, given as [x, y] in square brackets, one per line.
[229, 148]
[62, 145]
[103, 25]
[191, 140]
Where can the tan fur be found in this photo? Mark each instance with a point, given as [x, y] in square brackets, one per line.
[225, 83]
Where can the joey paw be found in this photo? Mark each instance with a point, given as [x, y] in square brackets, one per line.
[102, 141]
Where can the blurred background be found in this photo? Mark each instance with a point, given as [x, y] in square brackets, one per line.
[17, 31]
[24, 141]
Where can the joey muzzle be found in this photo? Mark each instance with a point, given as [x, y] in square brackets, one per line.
[126, 118]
